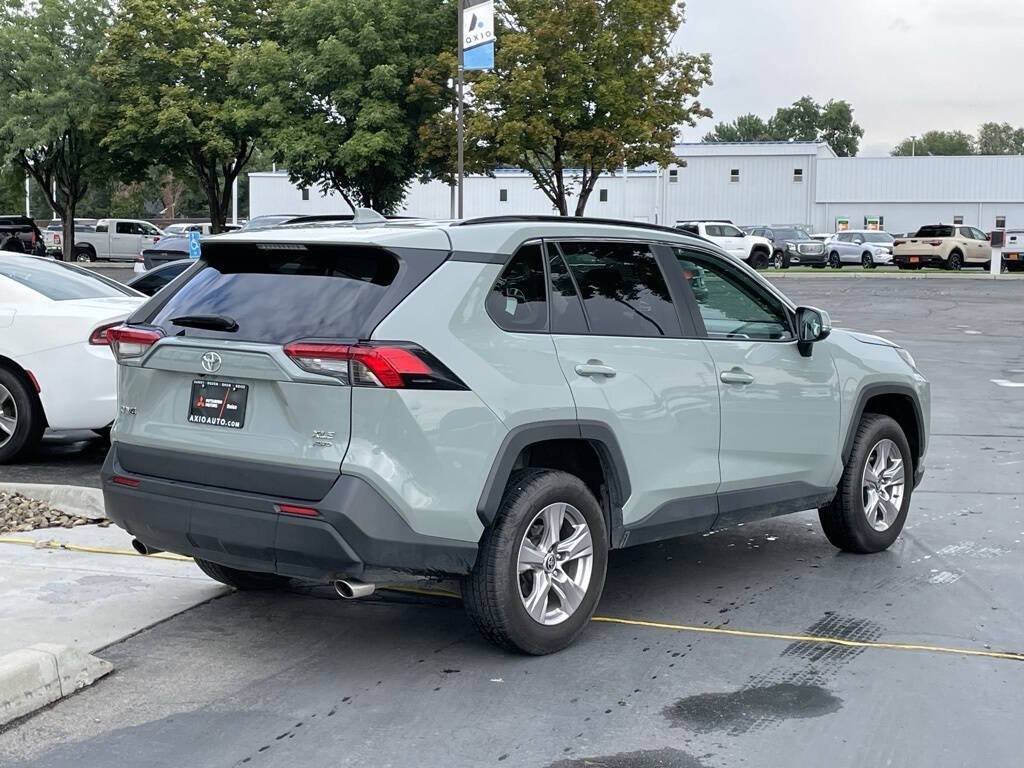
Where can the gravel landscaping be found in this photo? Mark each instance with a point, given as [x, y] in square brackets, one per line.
[20, 513]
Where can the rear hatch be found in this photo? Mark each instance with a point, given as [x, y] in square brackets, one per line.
[235, 378]
[929, 241]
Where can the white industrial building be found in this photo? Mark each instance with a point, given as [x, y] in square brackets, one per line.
[747, 183]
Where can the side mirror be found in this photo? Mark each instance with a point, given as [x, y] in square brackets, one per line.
[858, 241]
[811, 325]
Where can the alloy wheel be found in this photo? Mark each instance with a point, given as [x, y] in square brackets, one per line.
[555, 564]
[883, 484]
[833, 261]
[8, 415]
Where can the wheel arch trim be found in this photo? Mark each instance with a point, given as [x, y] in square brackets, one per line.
[599, 435]
[875, 390]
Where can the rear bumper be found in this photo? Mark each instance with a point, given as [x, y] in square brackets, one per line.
[921, 260]
[354, 531]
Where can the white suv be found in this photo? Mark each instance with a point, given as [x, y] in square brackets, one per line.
[755, 251]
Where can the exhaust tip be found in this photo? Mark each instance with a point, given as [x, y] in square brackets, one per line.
[142, 549]
[350, 589]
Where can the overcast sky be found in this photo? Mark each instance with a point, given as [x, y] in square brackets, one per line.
[906, 66]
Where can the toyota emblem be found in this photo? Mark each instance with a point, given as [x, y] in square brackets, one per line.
[211, 362]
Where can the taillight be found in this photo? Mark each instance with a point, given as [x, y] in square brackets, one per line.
[56, 239]
[391, 365]
[898, 242]
[99, 336]
[128, 342]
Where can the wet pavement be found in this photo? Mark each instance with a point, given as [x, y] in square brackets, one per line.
[304, 679]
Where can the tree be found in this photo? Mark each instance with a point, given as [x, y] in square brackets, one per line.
[589, 85]
[936, 143]
[354, 80]
[806, 120]
[1000, 139]
[54, 110]
[743, 128]
[185, 99]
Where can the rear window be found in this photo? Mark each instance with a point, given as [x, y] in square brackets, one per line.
[934, 230]
[281, 294]
[58, 281]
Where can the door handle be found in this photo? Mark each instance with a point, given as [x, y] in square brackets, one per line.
[595, 369]
[736, 376]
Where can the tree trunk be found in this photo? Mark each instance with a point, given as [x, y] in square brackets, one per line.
[586, 188]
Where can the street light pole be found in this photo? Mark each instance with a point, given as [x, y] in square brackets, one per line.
[461, 130]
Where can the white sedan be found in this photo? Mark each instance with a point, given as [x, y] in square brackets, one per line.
[56, 368]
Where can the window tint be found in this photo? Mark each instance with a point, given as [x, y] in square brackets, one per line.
[713, 230]
[277, 295]
[157, 279]
[731, 305]
[624, 292]
[516, 301]
[934, 230]
[728, 231]
[58, 281]
[566, 308]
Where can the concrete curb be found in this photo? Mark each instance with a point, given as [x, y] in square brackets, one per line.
[77, 499]
[43, 673]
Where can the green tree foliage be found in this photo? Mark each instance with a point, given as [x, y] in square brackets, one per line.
[1000, 139]
[353, 81]
[743, 128]
[804, 120]
[53, 113]
[184, 94]
[937, 143]
[586, 84]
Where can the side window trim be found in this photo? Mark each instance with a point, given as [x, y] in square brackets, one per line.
[697, 318]
[553, 244]
[678, 290]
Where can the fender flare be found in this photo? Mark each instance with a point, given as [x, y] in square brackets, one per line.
[597, 434]
[873, 390]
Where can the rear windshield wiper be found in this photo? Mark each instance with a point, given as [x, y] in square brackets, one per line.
[209, 322]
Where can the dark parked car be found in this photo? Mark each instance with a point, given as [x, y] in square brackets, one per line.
[21, 235]
[792, 246]
[164, 251]
[152, 281]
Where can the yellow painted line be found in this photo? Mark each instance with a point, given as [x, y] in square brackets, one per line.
[811, 639]
[94, 550]
[1003, 655]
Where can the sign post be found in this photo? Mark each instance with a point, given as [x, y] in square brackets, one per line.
[476, 51]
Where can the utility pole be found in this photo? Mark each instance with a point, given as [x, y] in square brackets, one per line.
[28, 198]
[458, 118]
[234, 201]
[913, 146]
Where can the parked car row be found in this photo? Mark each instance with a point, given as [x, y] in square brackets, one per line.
[937, 245]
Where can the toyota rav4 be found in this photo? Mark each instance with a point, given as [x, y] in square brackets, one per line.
[500, 400]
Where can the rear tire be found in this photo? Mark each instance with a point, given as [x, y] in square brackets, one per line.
[955, 262]
[243, 580]
[759, 260]
[518, 560]
[21, 416]
[850, 521]
[83, 254]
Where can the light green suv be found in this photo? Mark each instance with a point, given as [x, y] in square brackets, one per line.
[504, 400]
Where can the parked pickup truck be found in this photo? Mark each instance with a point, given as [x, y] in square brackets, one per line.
[115, 239]
[949, 246]
[756, 251]
[1013, 250]
[21, 235]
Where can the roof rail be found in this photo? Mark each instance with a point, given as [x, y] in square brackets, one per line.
[565, 220]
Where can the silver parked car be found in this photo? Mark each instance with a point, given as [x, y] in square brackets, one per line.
[502, 400]
[867, 247]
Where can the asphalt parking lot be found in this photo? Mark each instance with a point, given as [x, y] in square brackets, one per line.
[698, 667]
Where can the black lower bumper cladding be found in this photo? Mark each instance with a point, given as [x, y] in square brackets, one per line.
[354, 529]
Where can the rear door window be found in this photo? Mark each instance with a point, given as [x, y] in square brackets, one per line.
[278, 294]
[517, 299]
[623, 290]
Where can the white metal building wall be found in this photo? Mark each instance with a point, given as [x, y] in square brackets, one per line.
[906, 192]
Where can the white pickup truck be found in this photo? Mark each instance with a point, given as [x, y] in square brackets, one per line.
[115, 239]
[756, 251]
